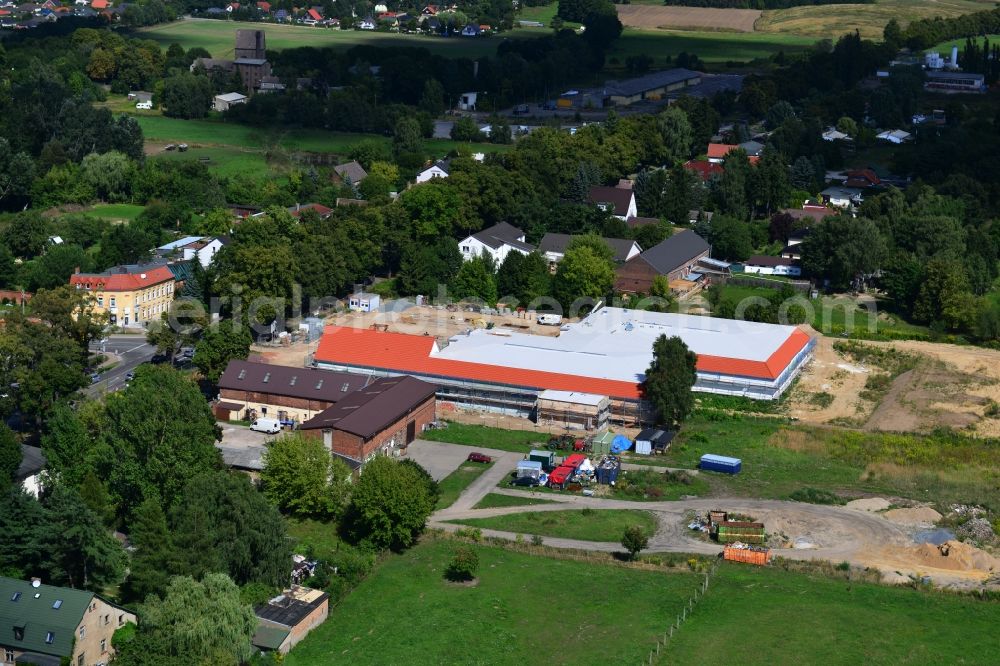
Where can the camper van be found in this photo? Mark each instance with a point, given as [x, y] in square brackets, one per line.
[550, 319]
[270, 426]
[144, 105]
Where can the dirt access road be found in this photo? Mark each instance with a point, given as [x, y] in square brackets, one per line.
[833, 533]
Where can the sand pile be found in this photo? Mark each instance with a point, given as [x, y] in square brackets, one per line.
[921, 515]
[869, 504]
[960, 557]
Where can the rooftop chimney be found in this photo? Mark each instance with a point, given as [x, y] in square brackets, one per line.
[76, 270]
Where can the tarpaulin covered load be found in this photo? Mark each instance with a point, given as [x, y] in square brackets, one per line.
[620, 443]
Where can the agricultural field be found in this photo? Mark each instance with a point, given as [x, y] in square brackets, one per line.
[835, 622]
[219, 37]
[684, 18]
[586, 525]
[523, 609]
[831, 21]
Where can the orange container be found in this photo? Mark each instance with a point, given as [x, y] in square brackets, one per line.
[758, 557]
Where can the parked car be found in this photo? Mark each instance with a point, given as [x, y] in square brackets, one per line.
[94, 378]
[526, 481]
[269, 426]
[130, 375]
[479, 457]
[158, 358]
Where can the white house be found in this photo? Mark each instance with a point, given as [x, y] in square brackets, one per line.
[553, 246]
[367, 23]
[772, 266]
[193, 247]
[471, 31]
[363, 301]
[29, 472]
[894, 136]
[437, 170]
[467, 102]
[833, 134]
[497, 241]
[222, 102]
[841, 197]
[619, 201]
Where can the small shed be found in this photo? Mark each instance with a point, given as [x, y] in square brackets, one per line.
[223, 102]
[528, 468]
[653, 440]
[570, 408]
[546, 458]
[363, 301]
[600, 445]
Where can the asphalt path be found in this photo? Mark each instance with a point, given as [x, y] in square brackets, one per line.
[131, 350]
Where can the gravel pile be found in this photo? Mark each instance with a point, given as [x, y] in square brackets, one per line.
[977, 529]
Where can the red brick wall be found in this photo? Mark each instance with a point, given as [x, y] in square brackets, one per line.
[308, 623]
[352, 446]
[634, 276]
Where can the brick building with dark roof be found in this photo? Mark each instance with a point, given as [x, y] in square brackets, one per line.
[286, 619]
[250, 390]
[674, 258]
[384, 416]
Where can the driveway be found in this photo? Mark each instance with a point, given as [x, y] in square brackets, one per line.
[242, 447]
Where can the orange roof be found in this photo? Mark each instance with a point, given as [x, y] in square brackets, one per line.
[719, 150]
[99, 4]
[122, 281]
[400, 352]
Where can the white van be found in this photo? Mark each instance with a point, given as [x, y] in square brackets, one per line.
[144, 105]
[270, 426]
[550, 319]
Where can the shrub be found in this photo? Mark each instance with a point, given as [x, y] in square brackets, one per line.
[470, 533]
[463, 566]
[537, 540]
[814, 496]
[634, 540]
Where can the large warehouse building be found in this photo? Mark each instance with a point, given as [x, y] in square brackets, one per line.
[606, 354]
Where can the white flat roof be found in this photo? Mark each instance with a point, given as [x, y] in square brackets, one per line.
[572, 397]
[615, 343]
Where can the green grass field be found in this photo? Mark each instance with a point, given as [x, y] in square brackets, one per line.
[452, 485]
[493, 500]
[588, 525]
[226, 161]
[944, 48]
[315, 535]
[219, 37]
[783, 618]
[834, 316]
[115, 212]
[524, 610]
[711, 47]
[779, 459]
[492, 438]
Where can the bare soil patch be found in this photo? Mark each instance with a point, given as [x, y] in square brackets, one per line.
[674, 18]
[872, 504]
[952, 386]
[921, 515]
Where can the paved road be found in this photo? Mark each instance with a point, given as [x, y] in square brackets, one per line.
[836, 533]
[132, 350]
